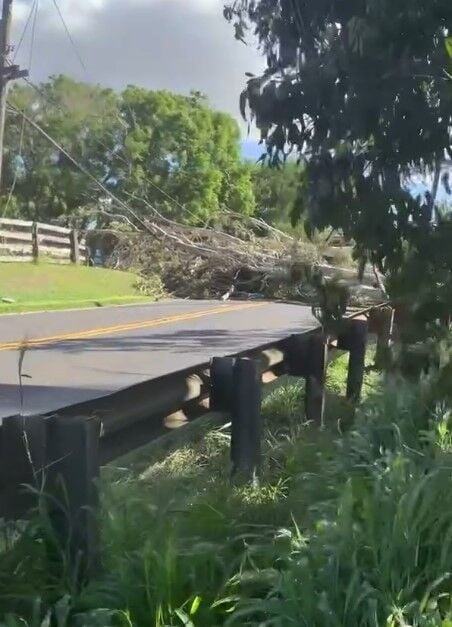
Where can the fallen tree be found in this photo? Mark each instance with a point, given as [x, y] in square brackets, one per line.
[243, 257]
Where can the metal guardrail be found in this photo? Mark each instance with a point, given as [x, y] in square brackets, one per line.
[72, 443]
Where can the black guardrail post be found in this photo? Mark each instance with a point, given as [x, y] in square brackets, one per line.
[221, 383]
[246, 423]
[354, 340]
[22, 462]
[307, 358]
[381, 322]
[315, 379]
[72, 448]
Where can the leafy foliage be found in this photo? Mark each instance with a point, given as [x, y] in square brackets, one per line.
[84, 120]
[157, 149]
[361, 89]
[276, 191]
[180, 145]
[362, 92]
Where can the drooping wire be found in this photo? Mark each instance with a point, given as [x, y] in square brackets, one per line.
[24, 31]
[69, 35]
[33, 36]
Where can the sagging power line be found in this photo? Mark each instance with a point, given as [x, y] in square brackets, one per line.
[69, 36]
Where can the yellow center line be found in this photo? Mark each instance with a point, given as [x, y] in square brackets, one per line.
[118, 328]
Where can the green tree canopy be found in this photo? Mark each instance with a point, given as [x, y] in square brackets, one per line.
[84, 120]
[277, 192]
[179, 145]
[173, 152]
[361, 89]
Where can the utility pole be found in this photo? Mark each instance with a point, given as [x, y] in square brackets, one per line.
[8, 72]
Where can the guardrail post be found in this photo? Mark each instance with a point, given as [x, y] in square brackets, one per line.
[382, 323]
[35, 241]
[73, 453]
[221, 383]
[22, 461]
[297, 355]
[75, 248]
[354, 340]
[307, 358]
[315, 379]
[246, 424]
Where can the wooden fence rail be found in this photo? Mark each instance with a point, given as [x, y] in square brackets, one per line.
[61, 453]
[23, 240]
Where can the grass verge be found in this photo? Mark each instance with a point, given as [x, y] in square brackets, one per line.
[45, 286]
[350, 527]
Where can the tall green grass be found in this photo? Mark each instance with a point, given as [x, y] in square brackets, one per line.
[380, 551]
[351, 526]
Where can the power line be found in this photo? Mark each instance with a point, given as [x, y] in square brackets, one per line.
[68, 33]
[33, 35]
[24, 31]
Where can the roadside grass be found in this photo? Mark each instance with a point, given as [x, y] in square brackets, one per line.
[46, 286]
[351, 526]
[171, 518]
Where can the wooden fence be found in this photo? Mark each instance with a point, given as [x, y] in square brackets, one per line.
[22, 240]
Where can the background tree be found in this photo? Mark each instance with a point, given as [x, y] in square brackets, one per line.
[153, 149]
[84, 120]
[177, 147]
[277, 192]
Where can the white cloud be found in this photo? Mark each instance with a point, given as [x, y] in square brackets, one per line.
[173, 44]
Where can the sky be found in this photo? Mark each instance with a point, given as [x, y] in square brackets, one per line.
[160, 44]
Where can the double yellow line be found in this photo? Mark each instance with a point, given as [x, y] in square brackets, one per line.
[119, 328]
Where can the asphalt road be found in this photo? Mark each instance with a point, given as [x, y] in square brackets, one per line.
[75, 356]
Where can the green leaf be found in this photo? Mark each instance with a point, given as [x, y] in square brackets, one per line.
[184, 618]
[195, 605]
[448, 44]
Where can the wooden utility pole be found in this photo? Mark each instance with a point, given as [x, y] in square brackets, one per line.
[8, 72]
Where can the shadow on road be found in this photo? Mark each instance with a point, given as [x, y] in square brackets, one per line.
[176, 342]
[36, 397]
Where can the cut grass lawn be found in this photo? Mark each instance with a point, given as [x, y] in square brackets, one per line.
[44, 286]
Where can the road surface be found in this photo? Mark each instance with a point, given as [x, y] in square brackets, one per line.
[75, 356]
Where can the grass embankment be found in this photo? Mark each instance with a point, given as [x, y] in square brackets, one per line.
[45, 286]
[351, 527]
